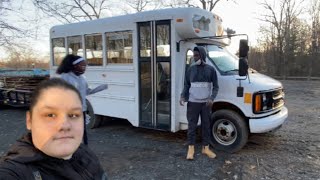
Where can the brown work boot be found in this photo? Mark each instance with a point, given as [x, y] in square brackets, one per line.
[190, 152]
[206, 150]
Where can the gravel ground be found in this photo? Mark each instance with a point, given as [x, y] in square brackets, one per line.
[126, 152]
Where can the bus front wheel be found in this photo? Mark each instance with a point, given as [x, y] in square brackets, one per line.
[229, 131]
[94, 120]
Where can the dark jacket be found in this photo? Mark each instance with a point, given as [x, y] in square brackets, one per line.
[24, 161]
[201, 83]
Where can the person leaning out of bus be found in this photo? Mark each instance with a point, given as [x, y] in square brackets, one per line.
[200, 89]
[52, 148]
[72, 69]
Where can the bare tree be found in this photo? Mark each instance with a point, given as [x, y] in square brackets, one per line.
[276, 29]
[180, 3]
[267, 45]
[292, 11]
[281, 21]
[298, 48]
[25, 57]
[315, 30]
[141, 5]
[204, 4]
[138, 5]
[73, 10]
[8, 31]
[68, 11]
[210, 4]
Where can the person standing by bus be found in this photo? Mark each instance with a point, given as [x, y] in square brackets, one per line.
[200, 89]
[72, 69]
[52, 148]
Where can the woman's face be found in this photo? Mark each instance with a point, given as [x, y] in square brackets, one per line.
[80, 68]
[56, 122]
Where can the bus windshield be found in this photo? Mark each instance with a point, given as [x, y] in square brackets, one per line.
[226, 62]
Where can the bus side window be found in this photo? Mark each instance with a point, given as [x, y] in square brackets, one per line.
[75, 45]
[119, 47]
[93, 47]
[59, 50]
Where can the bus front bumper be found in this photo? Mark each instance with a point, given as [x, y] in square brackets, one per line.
[269, 123]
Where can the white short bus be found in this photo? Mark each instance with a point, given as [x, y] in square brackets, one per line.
[143, 57]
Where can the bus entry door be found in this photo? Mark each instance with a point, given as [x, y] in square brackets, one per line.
[154, 56]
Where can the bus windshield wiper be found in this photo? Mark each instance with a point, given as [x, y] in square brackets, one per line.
[231, 70]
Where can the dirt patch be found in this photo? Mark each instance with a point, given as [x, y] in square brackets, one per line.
[126, 152]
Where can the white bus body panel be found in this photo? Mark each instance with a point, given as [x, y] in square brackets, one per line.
[258, 123]
[268, 123]
[121, 100]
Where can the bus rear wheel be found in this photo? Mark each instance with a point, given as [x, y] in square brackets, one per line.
[94, 120]
[229, 131]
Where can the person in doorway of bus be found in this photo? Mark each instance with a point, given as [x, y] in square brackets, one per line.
[72, 69]
[200, 89]
[52, 148]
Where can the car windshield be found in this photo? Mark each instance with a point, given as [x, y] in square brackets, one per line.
[223, 59]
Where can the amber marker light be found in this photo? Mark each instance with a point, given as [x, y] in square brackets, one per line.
[179, 20]
[247, 98]
[257, 106]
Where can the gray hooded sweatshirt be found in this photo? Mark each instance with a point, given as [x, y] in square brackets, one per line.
[81, 84]
[201, 83]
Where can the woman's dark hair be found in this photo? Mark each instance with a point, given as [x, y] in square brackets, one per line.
[50, 83]
[66, 64]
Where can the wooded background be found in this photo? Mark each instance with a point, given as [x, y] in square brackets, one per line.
[287, 46]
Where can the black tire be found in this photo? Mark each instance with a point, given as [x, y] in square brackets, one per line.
[95, 120]
[229, 131]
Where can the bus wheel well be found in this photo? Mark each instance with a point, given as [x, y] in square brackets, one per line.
[94, 120]
[224, 105]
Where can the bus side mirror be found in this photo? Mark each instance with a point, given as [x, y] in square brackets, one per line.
[243, 48]
[243, 66]
[243, 57]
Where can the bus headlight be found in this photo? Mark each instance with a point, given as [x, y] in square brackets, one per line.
[267, 101]
[261, 103]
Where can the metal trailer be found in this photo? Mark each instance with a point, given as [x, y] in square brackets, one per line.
[16, 86]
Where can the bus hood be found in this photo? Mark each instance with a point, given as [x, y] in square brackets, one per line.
[263, 82]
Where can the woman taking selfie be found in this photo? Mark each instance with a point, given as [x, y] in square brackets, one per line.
[52, 148]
